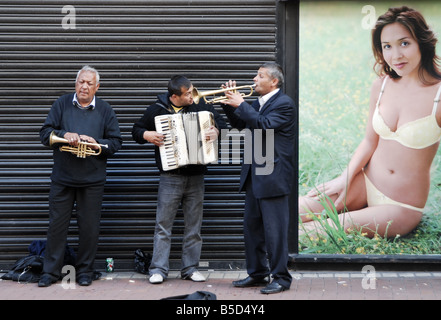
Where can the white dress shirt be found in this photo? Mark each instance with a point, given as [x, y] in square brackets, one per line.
[265, 98]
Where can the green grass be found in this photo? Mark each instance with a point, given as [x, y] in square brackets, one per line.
[336, 73]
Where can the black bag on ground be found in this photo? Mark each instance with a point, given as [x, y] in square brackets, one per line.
[27, 269]
[142, 261]
[198, 295]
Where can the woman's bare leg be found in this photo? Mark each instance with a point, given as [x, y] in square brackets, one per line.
[385, 220]
[356, 199]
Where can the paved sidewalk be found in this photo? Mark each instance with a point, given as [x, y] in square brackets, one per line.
[305, 286]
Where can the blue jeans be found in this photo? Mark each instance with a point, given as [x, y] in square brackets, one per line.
[173, 191]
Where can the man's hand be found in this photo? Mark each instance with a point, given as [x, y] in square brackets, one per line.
[88, 139]
[234, 97]
[72, 138]
[154, 137]
[211, 134]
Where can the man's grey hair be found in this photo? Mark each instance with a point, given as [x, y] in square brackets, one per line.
[275, 71]
[89, 68]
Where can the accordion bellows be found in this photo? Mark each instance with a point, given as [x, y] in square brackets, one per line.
[184, 139]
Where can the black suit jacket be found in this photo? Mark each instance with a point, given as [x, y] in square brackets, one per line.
[273, 129]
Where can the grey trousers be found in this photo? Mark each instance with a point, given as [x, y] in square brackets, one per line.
[175, 190]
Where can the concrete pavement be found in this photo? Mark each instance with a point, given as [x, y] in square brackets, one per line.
[307, 285]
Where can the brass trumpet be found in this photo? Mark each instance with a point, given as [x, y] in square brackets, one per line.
[199, 94]
[81, 151]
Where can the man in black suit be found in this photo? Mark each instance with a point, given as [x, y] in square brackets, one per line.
[267, 185]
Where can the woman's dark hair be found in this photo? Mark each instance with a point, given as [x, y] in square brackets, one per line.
[176, 83]
[415, 23]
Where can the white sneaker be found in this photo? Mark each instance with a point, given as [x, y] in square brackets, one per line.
[156, 278]
[197, 277]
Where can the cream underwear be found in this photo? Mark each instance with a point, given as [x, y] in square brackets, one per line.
[375, 197]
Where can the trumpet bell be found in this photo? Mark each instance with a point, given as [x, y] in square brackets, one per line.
[53, 139]
[197, 95]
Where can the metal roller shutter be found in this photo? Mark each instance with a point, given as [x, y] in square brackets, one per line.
[137, 46]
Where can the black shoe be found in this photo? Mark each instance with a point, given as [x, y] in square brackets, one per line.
[250, 282]
[84, 280]
[274, 287]
[46, 280]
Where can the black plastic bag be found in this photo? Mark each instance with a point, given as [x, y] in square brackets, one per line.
[198, 295]
[27, 269]
[142, 261]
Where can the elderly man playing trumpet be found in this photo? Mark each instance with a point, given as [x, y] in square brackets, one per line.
[83, 122]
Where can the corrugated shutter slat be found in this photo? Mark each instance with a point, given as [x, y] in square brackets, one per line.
[137, 46]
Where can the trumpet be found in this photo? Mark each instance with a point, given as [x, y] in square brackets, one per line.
[199, 94]
[81, 151]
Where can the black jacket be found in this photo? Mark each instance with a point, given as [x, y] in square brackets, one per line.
[274, 177]
[160, 107]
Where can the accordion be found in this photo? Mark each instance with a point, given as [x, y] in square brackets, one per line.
[184, 139]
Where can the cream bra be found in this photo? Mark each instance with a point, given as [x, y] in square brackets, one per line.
[417, 134]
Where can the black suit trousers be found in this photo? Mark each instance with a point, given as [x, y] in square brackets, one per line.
[266, 222]
[62, 200]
